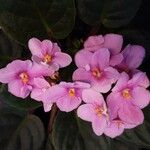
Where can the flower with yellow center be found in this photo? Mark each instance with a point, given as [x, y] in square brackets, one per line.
[99, 111]
[47, 59]
[71, 92]
[24, 77]
[126, 94]
[96, 73]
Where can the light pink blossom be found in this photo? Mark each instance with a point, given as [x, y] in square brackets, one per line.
[94, 110]
[113, 42]
[96, 70]
[66, 95]
[133, 56]
[19, 76]
[40, 87]
[128, 97]
[49, 54]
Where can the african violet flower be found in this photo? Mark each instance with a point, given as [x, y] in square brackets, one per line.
[66, 95]
[113, 42]
[128, 97]
[19, 75]
[48, 54]
[94, 110]
[132, 57]
[97, 71]
[40, 87]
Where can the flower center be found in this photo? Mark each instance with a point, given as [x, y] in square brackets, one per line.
[71, 92]
[47, 58]
[24, 77]
[126, 93]
[99, 111]
[96, 73]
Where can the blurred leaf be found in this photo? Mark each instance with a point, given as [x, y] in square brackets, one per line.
[9, 50]
[91, 140]
[30, 134]
[24, 19]
[140, 135]
[65, 134]
[111, 13]
[9, 120]
[19, 103]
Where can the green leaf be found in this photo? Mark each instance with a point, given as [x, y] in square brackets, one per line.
[65, 133]
[9, 50]
[140, 135]
[30, 134]
[111, 13]
[24, 19]
[23, 104]
[91, 140]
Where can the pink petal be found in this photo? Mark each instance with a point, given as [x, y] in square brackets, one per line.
[111, 74]
[131, 114]
[100, 58]
[86, 112]
[81, 85]
[133, 56]
[116, 59]
[40, 83]
[140, 79]
[113, 42]
[82, 75]
[141, 97]
[113, 129]
[47, 106]
[94, 43]
[47, 47]
[121, 83]
[17, 88]
[55, 48]
[67, 103]
[36, 94]
[99, 124]
[54, 92]
[39, 70]
[62, 59]
[102, 86]
[82, 58]
[35, 47]
[114, 103]
[91, 96]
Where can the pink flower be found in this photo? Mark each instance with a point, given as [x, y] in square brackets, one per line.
[66, 95]
[113, 42]
[94, 110]
[19, 75]
[40, 87]
[128, 97]
[97, 71]
[133, 56]
[48, 54]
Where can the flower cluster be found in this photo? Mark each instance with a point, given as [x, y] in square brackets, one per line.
[103, 68]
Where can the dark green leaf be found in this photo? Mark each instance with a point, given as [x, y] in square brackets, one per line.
[24, 19]
[19, 103]
[91, 140]
[139, 136]
[65, 134]
[112, 13]
[9, 50]
[30, 135]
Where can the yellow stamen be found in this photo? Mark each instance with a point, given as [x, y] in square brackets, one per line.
[72, 92]
[47, 58]
[24, 77]
[99, 111]
[96, 73]
[126, 93]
